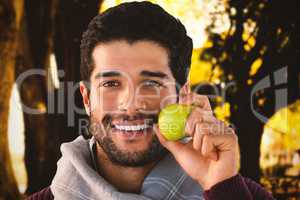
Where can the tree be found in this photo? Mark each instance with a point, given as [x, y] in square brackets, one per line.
[49, 28]
[10, 14]
[27, 42]
[263, 37]
[70, 22]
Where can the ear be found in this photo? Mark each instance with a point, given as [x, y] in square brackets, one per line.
[85, 93]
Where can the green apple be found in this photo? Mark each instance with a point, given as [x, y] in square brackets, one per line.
[172, 119]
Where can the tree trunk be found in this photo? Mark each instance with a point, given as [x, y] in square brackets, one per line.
[249, 130]
[46, 131]
[71, 21]
[41, 145]
[10, 13]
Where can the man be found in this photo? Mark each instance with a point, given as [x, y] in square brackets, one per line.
[133, 57]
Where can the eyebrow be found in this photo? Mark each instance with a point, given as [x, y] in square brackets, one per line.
[153, 74]
[145, 73]
[107, 74]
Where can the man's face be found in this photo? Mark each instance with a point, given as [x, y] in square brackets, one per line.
[130, 83]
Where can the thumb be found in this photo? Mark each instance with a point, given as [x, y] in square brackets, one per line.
[185, 89]
[188, 158]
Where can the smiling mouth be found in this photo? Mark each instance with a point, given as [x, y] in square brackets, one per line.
[132, 126]
[133, 129]
[137, 127]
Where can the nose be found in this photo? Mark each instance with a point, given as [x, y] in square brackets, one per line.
[131, 103]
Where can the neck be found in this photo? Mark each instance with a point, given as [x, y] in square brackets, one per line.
[125, 179]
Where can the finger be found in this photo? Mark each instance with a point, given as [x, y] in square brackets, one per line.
[208, 149]
[197, 138]
[212, 127]
[200, 101]
[201, 129]
[185, 89]
[197, 116]
[215, 145]
[221, 128]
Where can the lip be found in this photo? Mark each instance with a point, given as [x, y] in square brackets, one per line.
[148, 122]
[133, 123]
[131, 134]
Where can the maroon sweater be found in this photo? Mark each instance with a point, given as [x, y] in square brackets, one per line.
[235, 188]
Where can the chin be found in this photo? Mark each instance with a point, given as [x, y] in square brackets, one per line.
[131, 148]
[133, 143]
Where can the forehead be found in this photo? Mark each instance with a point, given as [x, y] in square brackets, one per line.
[130, 58]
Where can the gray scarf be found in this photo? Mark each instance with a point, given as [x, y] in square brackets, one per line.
[77, 179]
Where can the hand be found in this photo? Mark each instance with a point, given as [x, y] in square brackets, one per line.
[213, 153]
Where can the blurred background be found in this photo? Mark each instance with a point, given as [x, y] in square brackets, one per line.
[246, 58]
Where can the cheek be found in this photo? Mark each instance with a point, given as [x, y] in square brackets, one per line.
[107, 102]
[104, 102]
[153, 97]
[150, 97]
[168, 97]
[156, 101]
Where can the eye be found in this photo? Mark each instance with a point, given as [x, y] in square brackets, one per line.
[113, 84]
[152, 83]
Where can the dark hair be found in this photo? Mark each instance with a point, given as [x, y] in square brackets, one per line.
[137, 21]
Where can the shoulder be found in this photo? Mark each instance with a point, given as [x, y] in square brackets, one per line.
[44, 194]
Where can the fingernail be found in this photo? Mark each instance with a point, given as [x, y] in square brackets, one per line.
[188, 87]
[184, 88]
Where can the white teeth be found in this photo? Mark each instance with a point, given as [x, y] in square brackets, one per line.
[132, 127]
